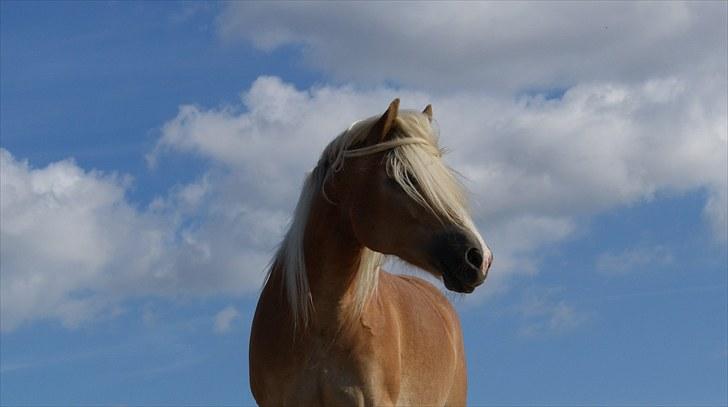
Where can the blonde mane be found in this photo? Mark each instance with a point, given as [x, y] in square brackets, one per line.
[412, 160]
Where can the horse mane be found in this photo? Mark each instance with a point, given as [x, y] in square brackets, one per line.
[415, 165]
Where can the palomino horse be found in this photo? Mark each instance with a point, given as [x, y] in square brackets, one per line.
[331, 328]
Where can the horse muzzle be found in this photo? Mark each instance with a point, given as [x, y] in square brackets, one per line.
[462, 261]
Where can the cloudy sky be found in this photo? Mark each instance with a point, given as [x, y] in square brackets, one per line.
[151, 154]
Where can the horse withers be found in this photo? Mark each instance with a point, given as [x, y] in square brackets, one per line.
[331, 327]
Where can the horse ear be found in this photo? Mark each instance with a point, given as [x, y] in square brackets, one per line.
[384, 124]
[428, 112]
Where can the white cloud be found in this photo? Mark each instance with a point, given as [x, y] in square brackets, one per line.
[532, 164]
[645, 107]
[67, 236]
[73, 248]
[645, 111]
[490, 46]
[225, 318]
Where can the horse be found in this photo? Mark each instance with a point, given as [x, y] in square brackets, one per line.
[331, 327]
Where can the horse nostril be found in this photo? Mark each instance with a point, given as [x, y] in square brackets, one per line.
[474, 257]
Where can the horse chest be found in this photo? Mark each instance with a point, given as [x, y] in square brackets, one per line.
[377, 362]
[330, 375]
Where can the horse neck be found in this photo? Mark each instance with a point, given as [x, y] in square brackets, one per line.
[332, 254]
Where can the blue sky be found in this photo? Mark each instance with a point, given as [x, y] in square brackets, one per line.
[152, 153]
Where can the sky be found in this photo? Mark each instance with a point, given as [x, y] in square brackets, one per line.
[152, 152]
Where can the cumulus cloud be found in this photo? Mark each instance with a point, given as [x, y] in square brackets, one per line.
[599, 146]
[532, 164]
[66, 234]
[73, 248]
[643, 110]
[491, 46]
[644, 106]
